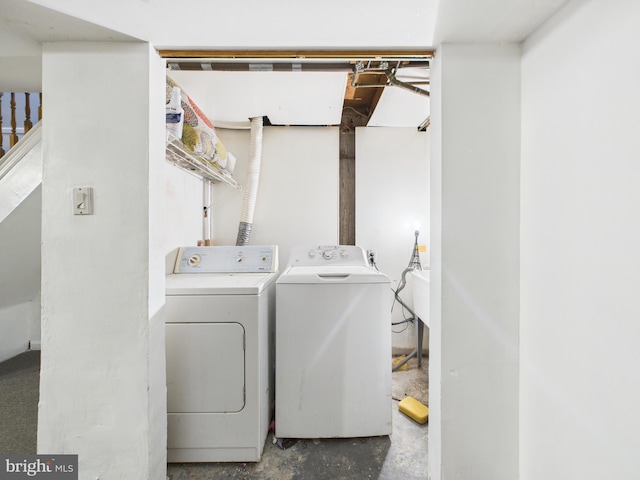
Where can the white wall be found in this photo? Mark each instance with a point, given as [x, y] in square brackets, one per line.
[20, 63]
[580, 333]
[297, 201]
[20, 277]
[20, 253]
[434, 450]
[475, 172]
[183, 215]
[153, 84]
[102, 385]
[392, 198]
[16, 325]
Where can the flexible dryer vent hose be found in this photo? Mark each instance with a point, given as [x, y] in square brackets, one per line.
[251, 187]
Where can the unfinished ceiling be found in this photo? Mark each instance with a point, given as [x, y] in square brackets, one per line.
[294, 89]
[26, 24]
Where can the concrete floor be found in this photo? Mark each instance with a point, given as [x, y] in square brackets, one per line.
[401, 456]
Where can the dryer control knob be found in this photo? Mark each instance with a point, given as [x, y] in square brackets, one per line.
[327, 254]
[194, 260]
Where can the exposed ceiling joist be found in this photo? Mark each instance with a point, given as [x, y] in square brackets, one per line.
[368, 72]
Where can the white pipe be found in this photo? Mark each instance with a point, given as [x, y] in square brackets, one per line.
[251, 187]
[207, 190]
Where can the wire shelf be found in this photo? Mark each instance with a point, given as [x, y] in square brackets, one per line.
[178, 155]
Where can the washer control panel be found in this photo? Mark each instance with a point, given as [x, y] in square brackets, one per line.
[328, 255]
[227, 259]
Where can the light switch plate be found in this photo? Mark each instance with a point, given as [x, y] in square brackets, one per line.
[83, 200]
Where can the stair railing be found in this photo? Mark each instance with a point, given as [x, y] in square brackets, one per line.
[15, 134]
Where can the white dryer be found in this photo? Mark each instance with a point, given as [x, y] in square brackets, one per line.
[220, 311]
[333, 345]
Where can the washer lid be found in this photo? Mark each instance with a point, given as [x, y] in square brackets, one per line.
[338, 274]
[218, 283]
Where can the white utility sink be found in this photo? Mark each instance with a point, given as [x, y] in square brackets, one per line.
[421, 294]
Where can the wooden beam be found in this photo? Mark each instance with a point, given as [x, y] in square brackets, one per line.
[374, 101]
[347, 195]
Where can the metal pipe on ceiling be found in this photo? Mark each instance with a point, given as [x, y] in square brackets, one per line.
[391, 77]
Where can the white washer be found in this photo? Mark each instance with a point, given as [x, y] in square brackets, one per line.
[333, 345]
[219, 347]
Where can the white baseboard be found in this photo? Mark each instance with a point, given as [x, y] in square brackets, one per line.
[34, 345]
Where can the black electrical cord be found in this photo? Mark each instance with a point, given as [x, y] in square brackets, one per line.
[400, 331]
[396, 296]
[413, 264]
[372, 261]
[396, 292]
